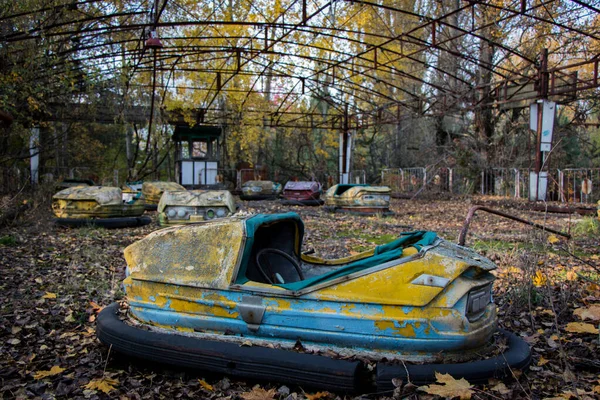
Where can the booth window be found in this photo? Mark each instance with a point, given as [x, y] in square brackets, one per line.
[200, 149]
[185, 150]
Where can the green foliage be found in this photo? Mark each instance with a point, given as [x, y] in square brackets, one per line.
[8, 240]
[587, 227]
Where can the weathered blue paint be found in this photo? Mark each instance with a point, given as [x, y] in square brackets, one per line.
[336, 324]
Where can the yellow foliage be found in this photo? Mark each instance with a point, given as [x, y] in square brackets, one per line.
[571, 275]
[258, 393]
[449, 387]
[205, 385]
[539, 279]
[592, 312]
[581, 327]
[103, 384]
[49, 295]
[55, 370]
[318, 396]
[552, 239]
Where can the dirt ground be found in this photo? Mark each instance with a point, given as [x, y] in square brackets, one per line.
[54, 281]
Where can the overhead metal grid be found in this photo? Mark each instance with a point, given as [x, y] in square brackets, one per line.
[319, 64]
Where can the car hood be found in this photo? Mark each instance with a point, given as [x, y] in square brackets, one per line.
[314, 186]
[208, 255]
[266, 186]
[197, 198]
[103, 195]
[150, 189]
[419, 281]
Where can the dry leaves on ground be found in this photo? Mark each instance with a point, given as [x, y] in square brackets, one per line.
[55, 370]
[104, 384]
[449, 387]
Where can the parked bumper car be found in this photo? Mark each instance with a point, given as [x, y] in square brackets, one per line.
[236, 296]
[98, 205]
[358, 199]
[177, 208]
[153, 191]
[260, 190]
[73, 182]
[302, 194]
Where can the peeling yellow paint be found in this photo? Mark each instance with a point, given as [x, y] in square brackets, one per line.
[93, 202]
[406, 331]
[283, 304]
[152, 191]
[383, 287]
[205, 254]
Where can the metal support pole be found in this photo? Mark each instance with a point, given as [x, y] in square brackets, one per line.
[34, 152]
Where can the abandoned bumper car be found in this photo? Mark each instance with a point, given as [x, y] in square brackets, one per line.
[103, 206]
[153, 191]
[358, 199]
[189, 206]
[260, 190]
[302, 193]
[236, 296]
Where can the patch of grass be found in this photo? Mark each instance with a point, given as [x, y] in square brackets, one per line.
[503, 246]
[374, 238]
[587, 227]
[8, 240]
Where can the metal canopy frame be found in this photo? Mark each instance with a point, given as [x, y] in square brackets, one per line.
[367, 73]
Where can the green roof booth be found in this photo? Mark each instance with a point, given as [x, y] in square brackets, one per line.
[197, 155]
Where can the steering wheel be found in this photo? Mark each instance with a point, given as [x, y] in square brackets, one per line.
[283, 254]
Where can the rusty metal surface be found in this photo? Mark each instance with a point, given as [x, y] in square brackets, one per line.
[93, 202]
[152, 191]
[180, 280]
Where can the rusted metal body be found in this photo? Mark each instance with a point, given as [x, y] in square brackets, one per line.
[237, 295]
[152, 191]
[189, 206]
[302, 193]
[87, 202]
[202, 278]
[260, 190]
[359, 199]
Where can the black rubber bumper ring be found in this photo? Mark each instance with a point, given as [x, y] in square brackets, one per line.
[517, 356]
[310, 203]
[108, 223]
[253, 362]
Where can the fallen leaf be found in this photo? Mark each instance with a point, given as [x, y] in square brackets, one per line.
[592, 312]
[49, 295]
[571, 276]
[318, 395]
[69, 318]
[14, 342]
[258, 393]
[96, 308]
[450, 388]
[103, 384]
[552, 239]
[580, 392]
[539, 279]
[542, 361]
[55, 370]
[581, 327]
[501, 388]
[205, 385]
